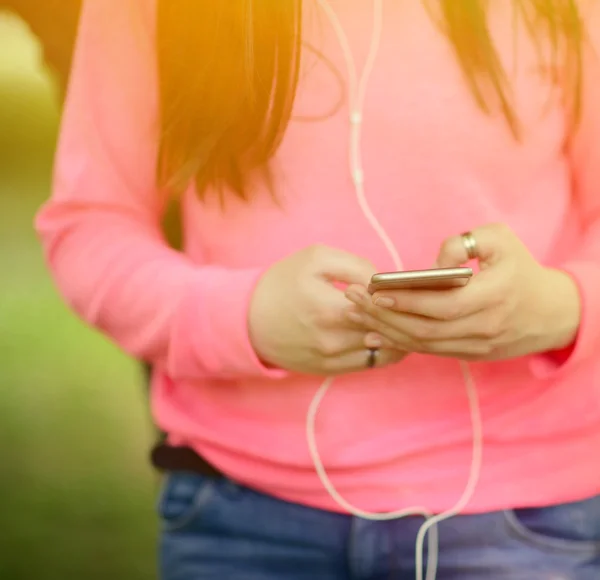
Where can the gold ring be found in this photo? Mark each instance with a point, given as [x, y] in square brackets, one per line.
[372, 357]
[470, 245]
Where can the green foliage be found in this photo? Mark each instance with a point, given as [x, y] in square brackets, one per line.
[76, 493]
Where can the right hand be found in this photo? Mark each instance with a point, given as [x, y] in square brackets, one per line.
[297, 316]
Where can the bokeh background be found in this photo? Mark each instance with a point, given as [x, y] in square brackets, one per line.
[76, 493]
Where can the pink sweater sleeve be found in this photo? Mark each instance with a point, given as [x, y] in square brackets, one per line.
[584, 266]
[100, 230]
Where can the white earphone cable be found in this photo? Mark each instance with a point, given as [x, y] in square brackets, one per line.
[357, 95]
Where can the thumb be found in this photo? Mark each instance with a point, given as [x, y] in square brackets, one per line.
[339, 266]
[490, 244]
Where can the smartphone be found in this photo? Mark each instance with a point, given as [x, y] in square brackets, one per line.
[437, 279]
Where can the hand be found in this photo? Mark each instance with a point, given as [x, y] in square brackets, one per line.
[513, 307]
[297, 315]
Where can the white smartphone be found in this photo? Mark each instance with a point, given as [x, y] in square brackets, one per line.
[436, 279]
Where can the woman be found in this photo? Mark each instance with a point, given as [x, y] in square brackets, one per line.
[313, 144]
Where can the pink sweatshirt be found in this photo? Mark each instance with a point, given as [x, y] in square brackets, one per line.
[435, 166]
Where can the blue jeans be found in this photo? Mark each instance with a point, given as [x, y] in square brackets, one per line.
[218, 530]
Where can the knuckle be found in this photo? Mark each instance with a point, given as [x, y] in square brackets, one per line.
[315, 253]
[501, 230]
[421, 347]
[495, 328]
[425, 330]
[489, 332]
[484, 349]
[374, 324]
[492, 331]
[368, 266]
[447, 245]
[452, 311]
[316, 249]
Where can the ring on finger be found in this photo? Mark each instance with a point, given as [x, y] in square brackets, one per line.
[372, 357]
[470, 244]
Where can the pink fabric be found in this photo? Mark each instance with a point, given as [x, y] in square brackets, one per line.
[435, 165]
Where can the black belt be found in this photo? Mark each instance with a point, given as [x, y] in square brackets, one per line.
[166, 458]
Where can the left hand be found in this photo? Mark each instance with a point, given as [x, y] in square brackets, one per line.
[513, 307]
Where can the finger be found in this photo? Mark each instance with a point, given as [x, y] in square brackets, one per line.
[337, 265]
[404, 330]
[328, 306]
[375, 340]
[468, 349]
[358, 360]
[331, 314]
[377, 329]
[480, 294]
[335, 344]
[491, 243]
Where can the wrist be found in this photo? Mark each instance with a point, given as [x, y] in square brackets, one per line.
[562, 310]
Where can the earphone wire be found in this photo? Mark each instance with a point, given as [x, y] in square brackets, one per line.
[429, 530]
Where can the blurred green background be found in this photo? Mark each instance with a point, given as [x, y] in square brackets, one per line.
[76, 493]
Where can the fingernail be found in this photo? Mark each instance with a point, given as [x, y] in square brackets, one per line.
[354, 297]
[384, 302]
[373, 341]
